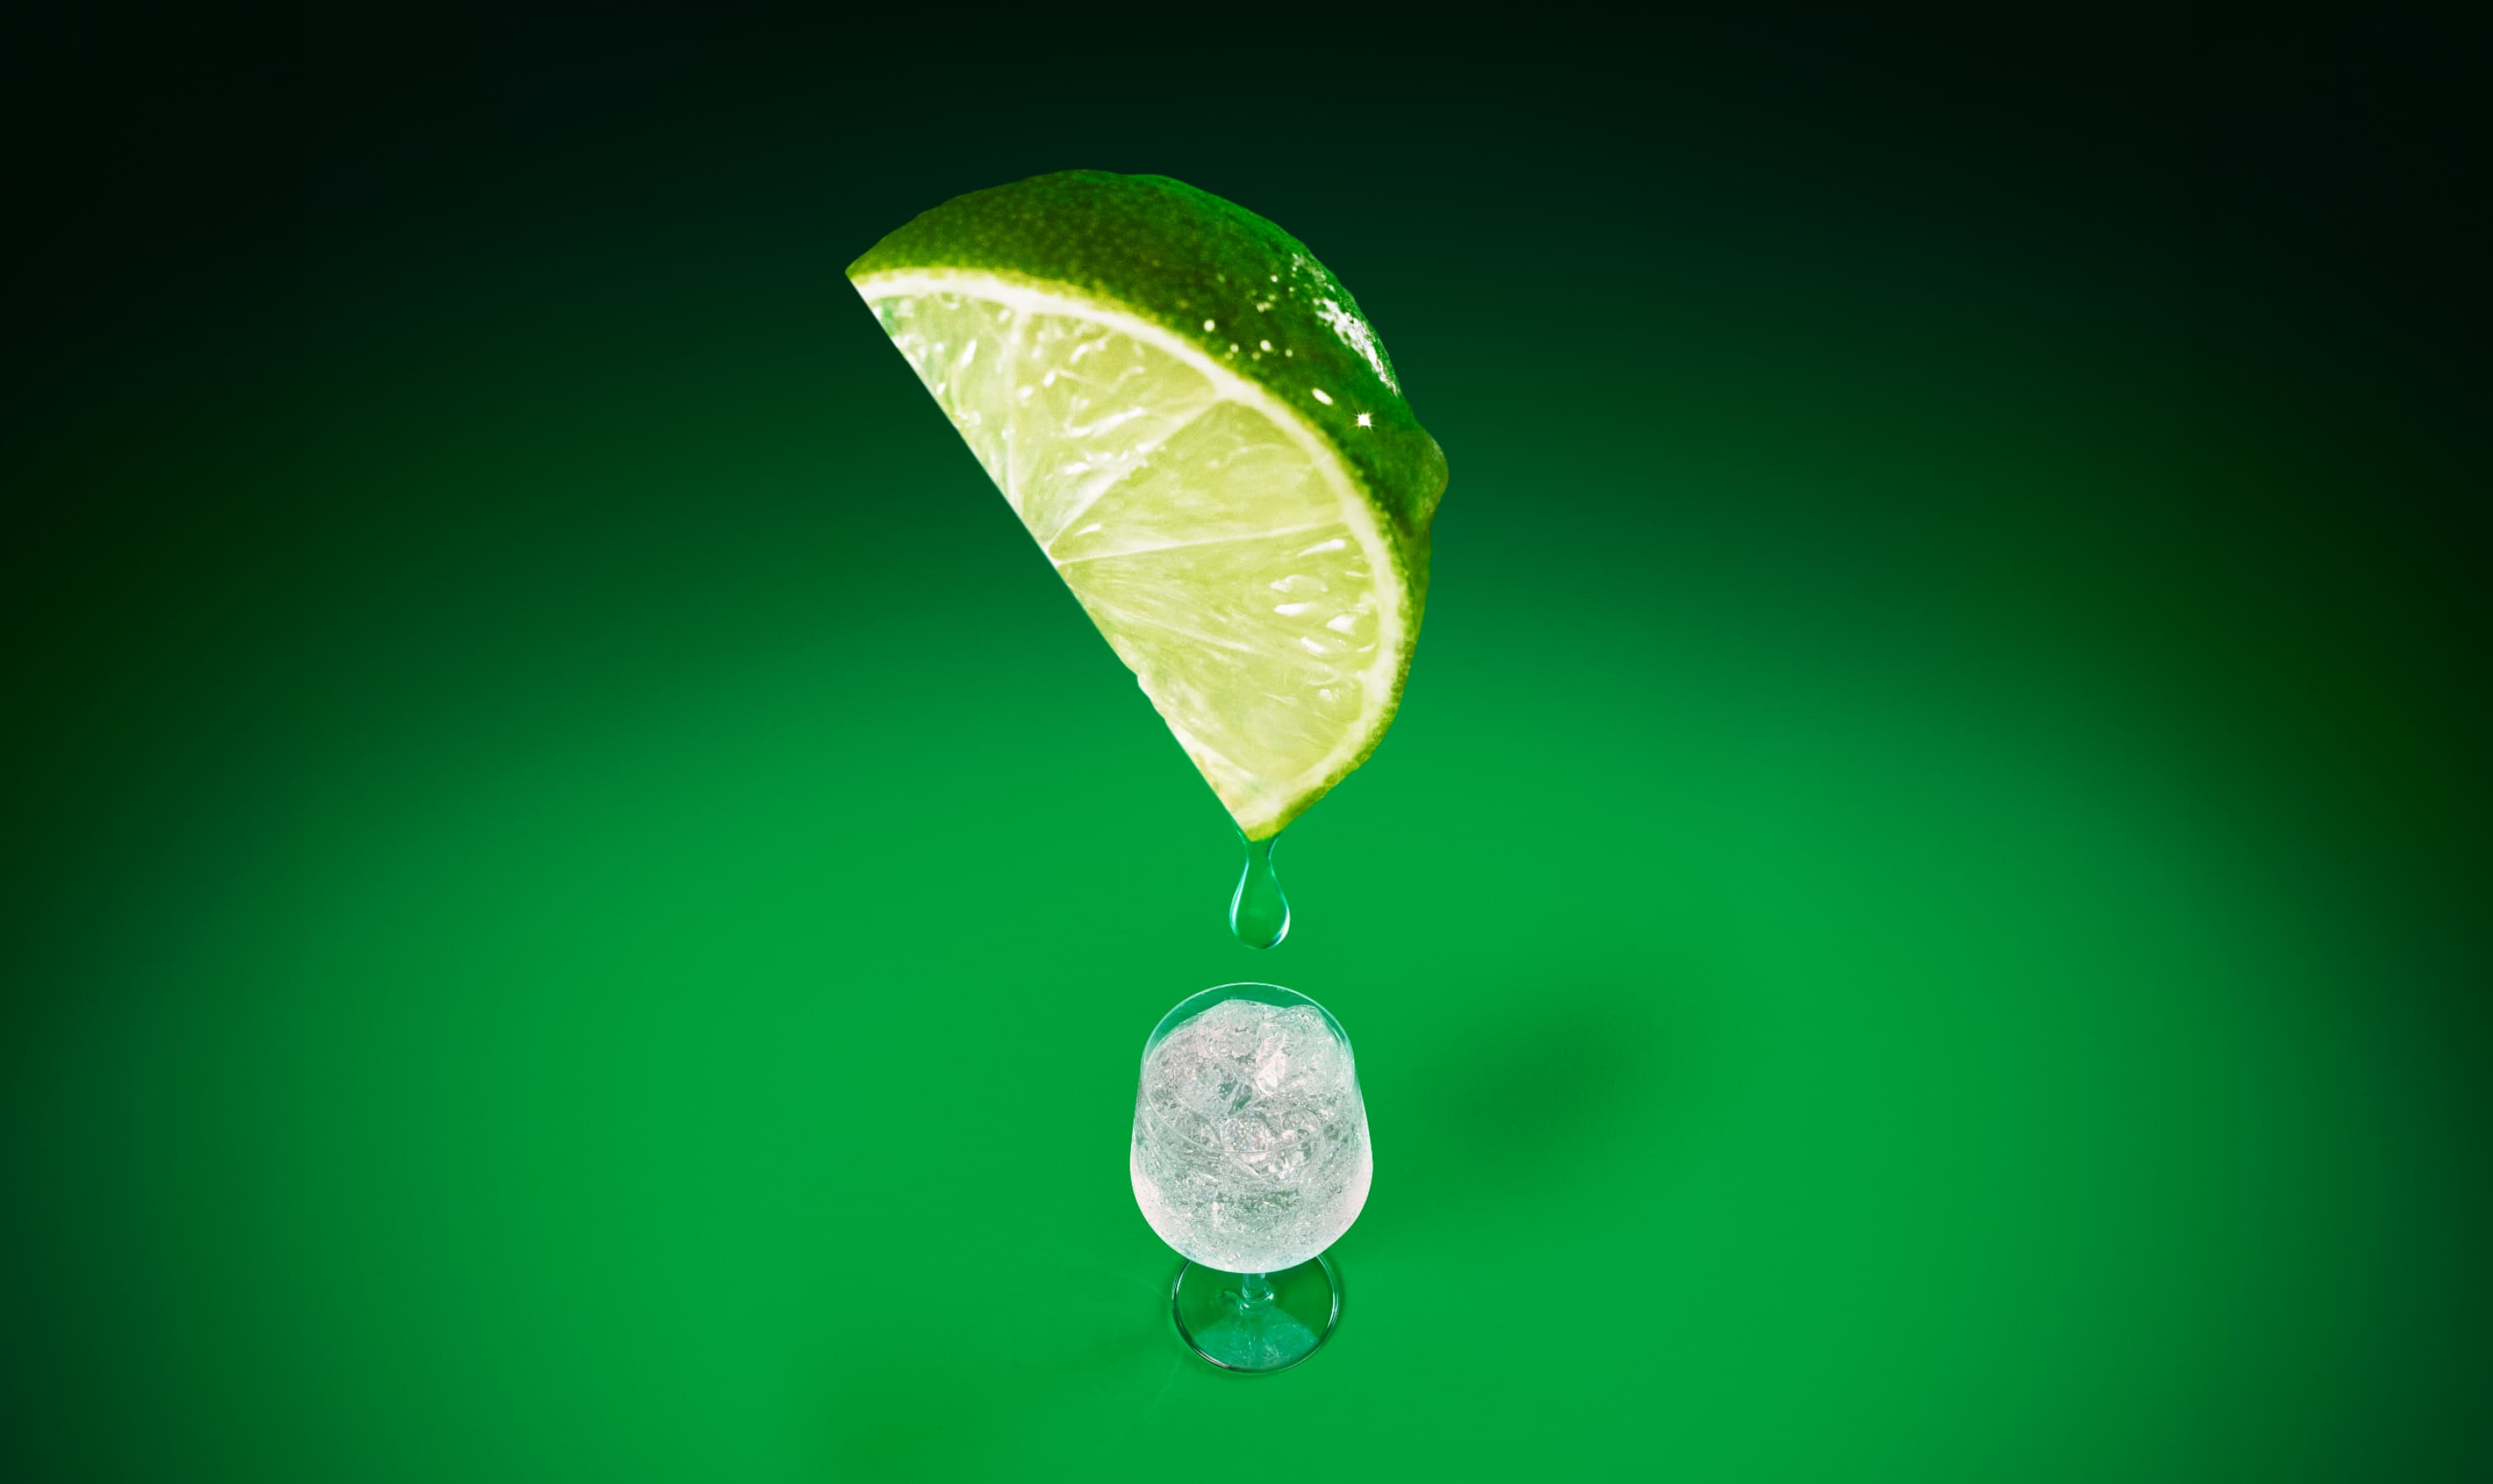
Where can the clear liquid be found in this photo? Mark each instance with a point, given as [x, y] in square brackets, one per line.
[1258, 913]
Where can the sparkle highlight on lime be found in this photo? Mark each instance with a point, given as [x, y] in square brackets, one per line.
[1202, 432]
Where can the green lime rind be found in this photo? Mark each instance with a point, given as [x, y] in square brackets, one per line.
[1223, 278]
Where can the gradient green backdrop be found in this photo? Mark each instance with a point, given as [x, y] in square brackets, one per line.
[580, 904]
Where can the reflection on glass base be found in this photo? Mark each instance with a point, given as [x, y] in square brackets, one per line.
[1256, 1321]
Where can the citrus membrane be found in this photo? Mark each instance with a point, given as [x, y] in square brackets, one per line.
[1203, 434]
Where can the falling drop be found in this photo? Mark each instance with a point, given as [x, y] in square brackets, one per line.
[1259, 914]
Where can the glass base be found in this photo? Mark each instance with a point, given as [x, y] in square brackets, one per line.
[1256, 1322]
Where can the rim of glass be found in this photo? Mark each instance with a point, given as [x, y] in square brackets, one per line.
[1255, 990]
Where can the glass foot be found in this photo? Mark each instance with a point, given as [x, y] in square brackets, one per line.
[1256, 1321]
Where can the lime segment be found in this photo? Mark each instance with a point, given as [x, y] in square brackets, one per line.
[1256, 562]
[1217, 544]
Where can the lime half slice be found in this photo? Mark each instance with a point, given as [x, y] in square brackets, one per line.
[1199, 430]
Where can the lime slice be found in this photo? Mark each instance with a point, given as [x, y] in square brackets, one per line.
[1201, 431]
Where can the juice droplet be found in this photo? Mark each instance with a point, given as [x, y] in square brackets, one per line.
[1258, 913]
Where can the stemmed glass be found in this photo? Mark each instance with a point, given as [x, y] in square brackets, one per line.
[1251, 1158]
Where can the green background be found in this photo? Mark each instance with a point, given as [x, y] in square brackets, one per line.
[579, 904]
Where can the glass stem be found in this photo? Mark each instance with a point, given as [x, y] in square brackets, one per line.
[1254, 1290]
